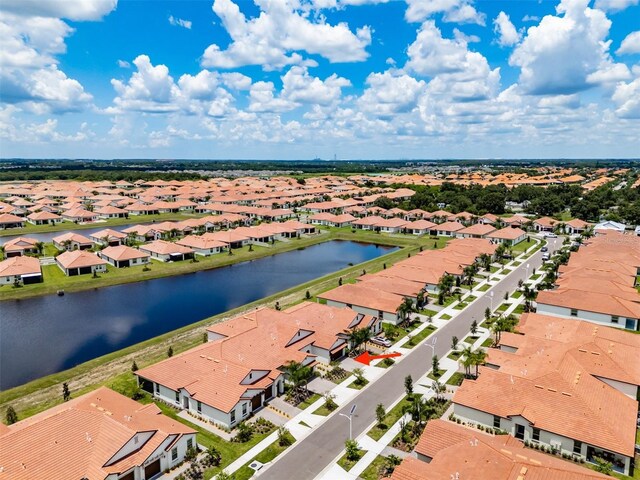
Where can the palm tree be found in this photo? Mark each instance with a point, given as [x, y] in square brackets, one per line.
[438, 389]
[39, 247]
[485, 261]
[66, 244]
[2, 250]
[422, 299]
[479, 357]
[467, 362]
[405, 309]
[298, 375]
[529, 295]
[467, 274]
[500, 250]
[446, 284]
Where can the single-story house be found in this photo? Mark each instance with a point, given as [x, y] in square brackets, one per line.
[21, 269]
[100, 435]
[420, 227]
[122, 256]
[72, 241]
[545, 224]
[20, 246]
[108, 237]
[8, 220]
[479, 230]
[80, 262]
[167, 251]
[230, 237]
[202, 245]
[448, 229]
[508, 235]
[366, 300]
[43, 218]
[111, 212]
[80, 215]
[576, 226]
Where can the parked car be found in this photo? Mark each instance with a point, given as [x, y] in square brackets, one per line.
[551, 235]
[545, 256]
[381, 341]
[544, 249]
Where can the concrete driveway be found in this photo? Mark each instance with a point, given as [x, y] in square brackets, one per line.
[309, 457]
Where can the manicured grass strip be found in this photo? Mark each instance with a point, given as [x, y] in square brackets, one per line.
[391, 418]
[488, 342]
[356, 386]
[455, 355]
[416, 339]
[371, 472]
[470, 339]
[436, 375]
[323, 411]
[484, 287]
[445, 316]
[347, 464]
[535, 276]
[267, 455]
[305, 404]
[456, 379]
[428, 313]
[516, 294]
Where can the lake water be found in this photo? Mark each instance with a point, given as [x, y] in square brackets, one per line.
[48, 236]
[44, 335]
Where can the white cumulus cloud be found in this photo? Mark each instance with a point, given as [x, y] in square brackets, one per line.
[631, 44]
[567, 53]
[274, 38]
[508, 35]
[614, 5]
[627, 97]
[460, 11]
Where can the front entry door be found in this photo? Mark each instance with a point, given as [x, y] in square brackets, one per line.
[519, 432]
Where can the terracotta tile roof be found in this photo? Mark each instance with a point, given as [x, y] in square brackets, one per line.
[72, 237]
[162, 247]
[561, 399]
[508, 233]
[90, 430]
[122, 252]
[449, 227]
[78, 259]
[19, 266]
[110, 234]
[200, 242]
[365, 297]
[477, 229]
[471, 454]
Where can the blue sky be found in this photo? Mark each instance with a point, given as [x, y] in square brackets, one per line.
[299, 79]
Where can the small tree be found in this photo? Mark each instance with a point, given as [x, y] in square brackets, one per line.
[205, 337]
[244, 432]
[408, 384]
[307, 295]
[170, 351]
[353, 449]
[134, 366]
[66, 394]
[329, 401]
[213, 457]
[487, 313]
[474, 327]
[454, 342]
[438, 389]
[11, 416]
[435, 364]
[380, 413]
[284, 440]
[359, 374]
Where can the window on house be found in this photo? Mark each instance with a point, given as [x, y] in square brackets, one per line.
[174, 454]
[615, 319]
[496, 421]
[199, 407]
[574, 312]
[157, 388]
[177, 397]
[244, 409]
[189, 444]
[233, 416]
[577, 447]
[536, 434]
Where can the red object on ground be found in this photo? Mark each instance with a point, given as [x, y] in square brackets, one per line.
[366, 357]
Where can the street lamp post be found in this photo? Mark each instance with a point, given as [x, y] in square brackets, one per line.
[491, 298]
[527, 274]
[350, 416]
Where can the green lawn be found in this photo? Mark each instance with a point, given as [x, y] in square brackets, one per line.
[535, 276]
[305, 404]
[416, 339]
[506, 271]
[493, 269]
[484, 287]
[360, 386]
[347, 464]
[428, 313]
[436, 375]
[456, 379]
[522, 246]
[503, 307]
[488, 342]
[323, 411]
[516, 294]
[470, 339]
[455, 355]
[266, 456]
[371, 472]
[445, 316]
[386, 363]
[391, 418]
[519, 309]
[516, 264]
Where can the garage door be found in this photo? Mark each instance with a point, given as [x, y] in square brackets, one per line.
[152, 469]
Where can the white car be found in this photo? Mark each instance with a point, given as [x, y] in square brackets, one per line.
[381, 341]
[551, 235]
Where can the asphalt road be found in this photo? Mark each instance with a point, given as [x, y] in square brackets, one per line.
[309, 457]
